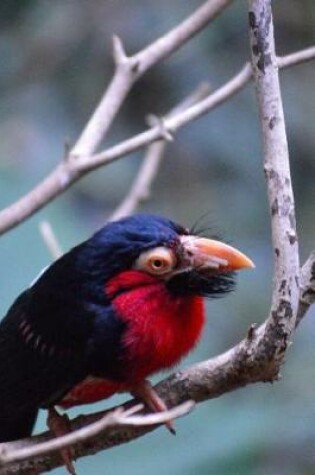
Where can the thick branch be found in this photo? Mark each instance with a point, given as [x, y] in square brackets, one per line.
[285, 296]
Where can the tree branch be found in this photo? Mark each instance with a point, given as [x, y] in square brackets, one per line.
[113, 419]
[297, 58]
[71, 170]
[285, 296]
[50, 239]
[129, 69]
[140, 189]
[222, 94]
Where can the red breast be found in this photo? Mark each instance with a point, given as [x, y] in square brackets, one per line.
[161, 329]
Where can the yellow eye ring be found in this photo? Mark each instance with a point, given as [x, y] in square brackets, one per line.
[157, 261]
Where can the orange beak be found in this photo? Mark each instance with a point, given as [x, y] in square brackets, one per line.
[211, 254]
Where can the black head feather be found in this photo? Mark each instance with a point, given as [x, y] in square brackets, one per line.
[117, 245]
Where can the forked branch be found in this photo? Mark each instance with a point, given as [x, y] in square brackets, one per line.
[71, 170]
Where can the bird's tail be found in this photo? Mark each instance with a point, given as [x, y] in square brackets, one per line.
[17, 425]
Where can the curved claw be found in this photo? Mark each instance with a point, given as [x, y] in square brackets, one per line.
[149, 396]
[60, 425]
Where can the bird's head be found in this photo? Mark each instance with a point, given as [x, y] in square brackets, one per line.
[144, 248]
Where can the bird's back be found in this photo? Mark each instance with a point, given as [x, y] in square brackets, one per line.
[31, 374]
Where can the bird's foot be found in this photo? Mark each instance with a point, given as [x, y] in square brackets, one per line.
[145, 391]
[60, 425]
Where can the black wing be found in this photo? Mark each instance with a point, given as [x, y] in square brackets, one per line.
[56, 333]
[34, 370]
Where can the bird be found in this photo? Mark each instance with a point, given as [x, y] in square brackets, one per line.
[126, 303]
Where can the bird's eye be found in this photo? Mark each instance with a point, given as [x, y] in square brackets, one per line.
[158, 261]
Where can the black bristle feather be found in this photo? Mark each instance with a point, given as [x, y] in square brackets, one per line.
[196, 283]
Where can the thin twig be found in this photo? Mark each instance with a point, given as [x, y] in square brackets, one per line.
[297, 58]
[115, 418]
[50, 239]
[172, 124]
[140, 189]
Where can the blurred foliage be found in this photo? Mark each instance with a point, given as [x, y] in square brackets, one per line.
[55, 63]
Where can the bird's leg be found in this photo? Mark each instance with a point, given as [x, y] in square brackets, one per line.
[145, 391]
[60, 425]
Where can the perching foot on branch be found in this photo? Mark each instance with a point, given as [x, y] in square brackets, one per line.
[60, 425]
[147, 394]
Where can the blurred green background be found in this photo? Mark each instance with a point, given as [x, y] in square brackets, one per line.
[55, 62]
